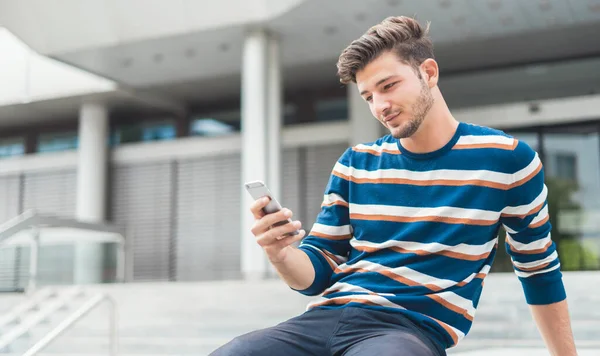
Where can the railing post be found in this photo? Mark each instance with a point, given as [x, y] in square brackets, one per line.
[34, 259]
[113, 332]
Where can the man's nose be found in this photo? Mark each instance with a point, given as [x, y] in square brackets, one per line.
[382, 107]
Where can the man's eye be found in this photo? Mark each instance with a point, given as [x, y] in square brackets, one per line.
[389, 86]
[369, 98]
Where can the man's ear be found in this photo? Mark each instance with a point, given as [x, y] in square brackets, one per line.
[430, 71]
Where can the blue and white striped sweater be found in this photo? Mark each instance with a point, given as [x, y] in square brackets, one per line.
[417, 233]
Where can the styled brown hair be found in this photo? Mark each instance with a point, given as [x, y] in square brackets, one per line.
[402, 35]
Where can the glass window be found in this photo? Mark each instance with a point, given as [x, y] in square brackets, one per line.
[14, 146]
[210, 127]
[57, 141]
[290, 115]
[332, 109]
[572, 171]
[566, 166]
[144, 131]
[572, 175]
[216, 124]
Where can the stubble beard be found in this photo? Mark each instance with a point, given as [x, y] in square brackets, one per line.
[420, 109]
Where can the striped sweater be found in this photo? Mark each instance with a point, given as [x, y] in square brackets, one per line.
[417, 233]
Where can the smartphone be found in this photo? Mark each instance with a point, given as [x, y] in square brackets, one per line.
[257, 190]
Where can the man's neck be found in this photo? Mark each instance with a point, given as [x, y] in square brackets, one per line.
[435, 131]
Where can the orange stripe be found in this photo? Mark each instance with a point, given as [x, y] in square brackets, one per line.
[484, 145]
[530, 252]
[412, 283]
[375, 152]
[331, 237]
[451, 306]
[477, 276]
[528, 178]
[337, 290]
[515, 144]
[522, 216]
[424, 218]
[447, 328]
[344, 301]
[340, 175]
[390, 275]
[331, 264]
[337, 202]
[540, 223]
[531, 269]
[457, 255]
[440, 182]
[332, 256]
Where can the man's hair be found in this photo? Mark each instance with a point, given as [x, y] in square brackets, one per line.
[402, 35]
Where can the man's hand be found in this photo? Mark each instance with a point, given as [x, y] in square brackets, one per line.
[292, 264]
[271, 238]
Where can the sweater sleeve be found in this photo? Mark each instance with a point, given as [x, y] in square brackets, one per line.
[328, 243]
[528, 230]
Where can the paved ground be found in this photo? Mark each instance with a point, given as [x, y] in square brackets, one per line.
[187, 319]
[522, 352]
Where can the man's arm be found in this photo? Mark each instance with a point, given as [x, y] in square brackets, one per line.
[308, 268]
[292, 265]
[554, 324]
[533, 252]
[328, 242]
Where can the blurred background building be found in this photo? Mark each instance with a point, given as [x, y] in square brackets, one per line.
[149, 115]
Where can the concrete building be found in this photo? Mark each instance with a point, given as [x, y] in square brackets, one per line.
[151, 114]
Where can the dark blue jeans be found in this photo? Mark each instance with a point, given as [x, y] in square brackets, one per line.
[349, 331]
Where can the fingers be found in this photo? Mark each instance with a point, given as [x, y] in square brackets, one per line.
[286, 241]
[257, 206]
[264, 223]
[276, 234]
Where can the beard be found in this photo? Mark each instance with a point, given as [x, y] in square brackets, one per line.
[419, 109]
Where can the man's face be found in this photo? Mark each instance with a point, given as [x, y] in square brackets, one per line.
[397, 96]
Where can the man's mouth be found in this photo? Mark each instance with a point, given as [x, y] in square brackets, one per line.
[391, 117]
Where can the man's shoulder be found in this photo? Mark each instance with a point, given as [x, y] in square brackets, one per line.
[506, 150]
[480, 130]
[384, 145]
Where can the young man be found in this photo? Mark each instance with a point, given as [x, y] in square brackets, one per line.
[409, 223]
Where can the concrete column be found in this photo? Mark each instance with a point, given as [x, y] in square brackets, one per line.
[262, 97]
[254, 143]
[275, 119]
[91, 187]
[274, 115]
[363, 126]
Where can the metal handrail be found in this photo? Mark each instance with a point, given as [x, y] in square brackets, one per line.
[27, 324]
[16, 312]
[78, 314]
